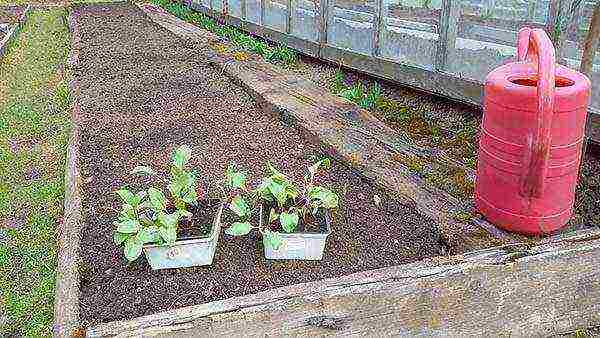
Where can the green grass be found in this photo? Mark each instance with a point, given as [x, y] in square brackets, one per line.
[34, 129]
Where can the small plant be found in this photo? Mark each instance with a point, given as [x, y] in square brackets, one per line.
[148, 216]
[286, 204]
[357, 94]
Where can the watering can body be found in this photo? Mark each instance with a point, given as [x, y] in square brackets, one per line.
[532, 135]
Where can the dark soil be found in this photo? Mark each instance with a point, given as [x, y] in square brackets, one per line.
[143, 93]
[203, 216]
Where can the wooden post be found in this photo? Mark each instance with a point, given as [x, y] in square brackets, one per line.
[324, 13]
[244, 10]
[377, 26]
[288, 23]
[562, 16]
[451, 11]
[591, 42]
[587, 62]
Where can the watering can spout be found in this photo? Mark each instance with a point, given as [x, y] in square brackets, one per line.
[534, 46]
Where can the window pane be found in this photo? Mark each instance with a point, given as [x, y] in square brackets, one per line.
[276, 15]
[350, 25]
[305, 19]
[487, 33]
[410, 31]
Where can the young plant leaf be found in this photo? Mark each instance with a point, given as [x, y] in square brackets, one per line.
[181, 156]
[132, 248]
[289, 221]
[147, 234]
[239, 206]
[239, 229]
[235, 179]
[126, 195]
[272, 240]
[327, 198]
[157, 199]
[324, 163]
[168, 234]
[119, 238]
[143, 170]
[129, 226]
[169, 220]
[273, 216]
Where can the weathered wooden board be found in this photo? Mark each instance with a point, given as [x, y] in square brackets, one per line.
[513, 291]
[352, 134]
[66, 299]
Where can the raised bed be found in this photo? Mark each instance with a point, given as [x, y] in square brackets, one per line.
[11, 19]
[193, 103]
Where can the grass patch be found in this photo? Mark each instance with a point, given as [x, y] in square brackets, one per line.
[244, 41]
[34, 128]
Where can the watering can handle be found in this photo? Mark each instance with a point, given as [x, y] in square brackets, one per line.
[534, 46]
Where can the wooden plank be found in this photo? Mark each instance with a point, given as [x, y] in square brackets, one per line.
[66, 295]
[451, 11]
[515, 291]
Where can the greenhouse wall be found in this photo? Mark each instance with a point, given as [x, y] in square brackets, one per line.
[445, 47]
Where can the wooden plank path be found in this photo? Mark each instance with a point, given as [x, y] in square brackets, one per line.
[352, 134]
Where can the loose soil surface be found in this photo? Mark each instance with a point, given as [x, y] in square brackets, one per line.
[143, 93]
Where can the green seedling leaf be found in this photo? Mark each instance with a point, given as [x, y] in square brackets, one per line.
[157, 199]
[168, 234]
[119, 237]
[126, 195]
[148, 234]
[181, 156]
[239, 229]
[129, 226]
[327, 198]
[127, 213]
[236, 180]
[289, 221]
[184, 213]
[276, 175]
[143, 170]
[278, 191]
[239, 206]
[168, 220]
[272, 239]
[132, 249]
[273, 215]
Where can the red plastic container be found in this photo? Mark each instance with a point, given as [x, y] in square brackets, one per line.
[532, 134]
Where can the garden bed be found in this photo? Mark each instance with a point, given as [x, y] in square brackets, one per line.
[139, 78]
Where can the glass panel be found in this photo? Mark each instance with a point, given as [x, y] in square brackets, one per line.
[487, 33]
[305, 19]
[276, 15]
[573, 49]
[410, 31]
[205, 3]
[350, 25]
[235, 8]
[253, 11]
[217, 5]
